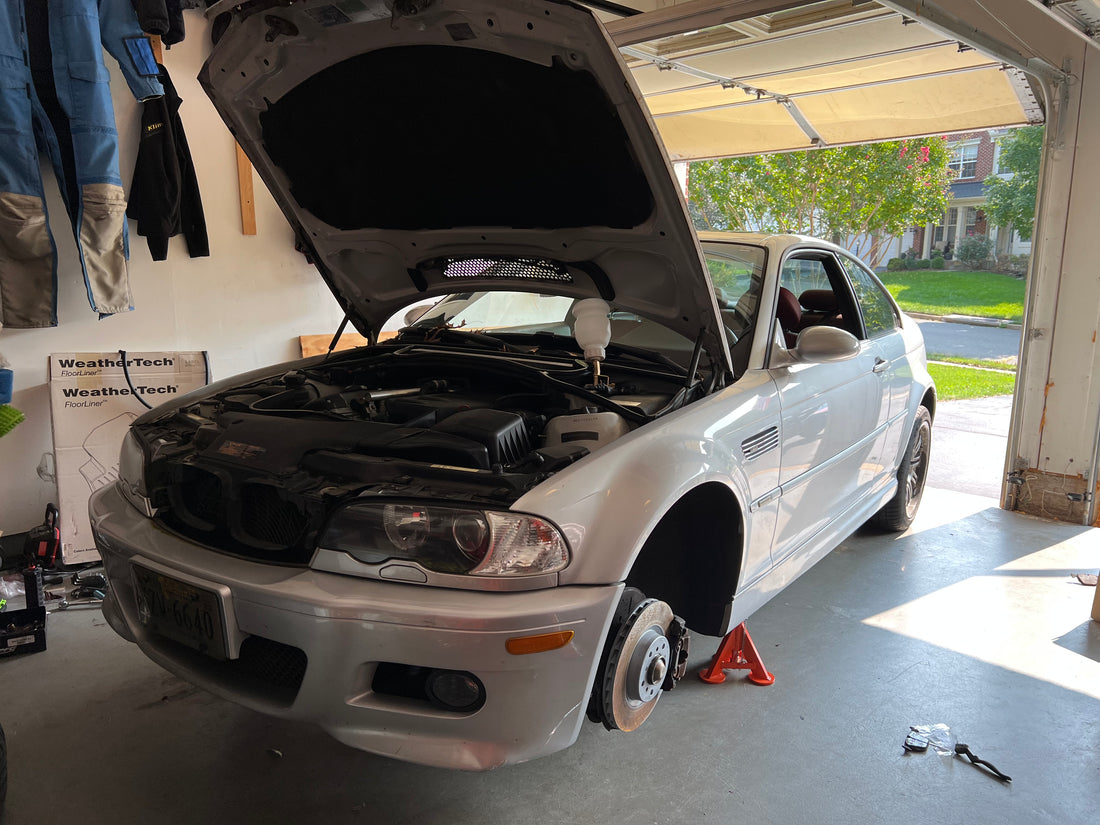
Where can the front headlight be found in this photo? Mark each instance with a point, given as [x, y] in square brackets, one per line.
[447, 539]
[131, 474]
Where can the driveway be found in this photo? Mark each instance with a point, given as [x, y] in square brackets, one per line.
[970, 437]
[969, 441]
[964, 340]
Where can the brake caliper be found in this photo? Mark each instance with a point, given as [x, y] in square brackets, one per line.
[679, 640]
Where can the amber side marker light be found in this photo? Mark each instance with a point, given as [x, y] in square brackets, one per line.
[538, 644]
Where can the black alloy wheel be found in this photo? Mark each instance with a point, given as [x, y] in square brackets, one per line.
[898, 513]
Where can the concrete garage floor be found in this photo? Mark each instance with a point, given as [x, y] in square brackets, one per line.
[971, 619]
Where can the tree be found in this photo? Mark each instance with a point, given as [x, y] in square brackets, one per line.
[1012, 200]
[858, 196]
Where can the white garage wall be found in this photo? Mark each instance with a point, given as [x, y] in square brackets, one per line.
[246, 304]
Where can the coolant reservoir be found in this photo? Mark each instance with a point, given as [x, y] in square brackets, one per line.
[592, 328]
[591, 430]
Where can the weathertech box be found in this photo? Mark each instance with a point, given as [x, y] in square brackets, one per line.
[93, 398]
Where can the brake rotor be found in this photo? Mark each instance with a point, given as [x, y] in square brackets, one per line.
[636, 667]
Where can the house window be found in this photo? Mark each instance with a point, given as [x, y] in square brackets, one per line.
[964, 160]
[945, 229]
[971, 220]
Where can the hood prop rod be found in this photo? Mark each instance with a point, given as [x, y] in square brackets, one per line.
[681, 395]
[696, 354]
[339, 332]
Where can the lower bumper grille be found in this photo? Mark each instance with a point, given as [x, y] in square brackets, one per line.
[272, 663]
[266, 670]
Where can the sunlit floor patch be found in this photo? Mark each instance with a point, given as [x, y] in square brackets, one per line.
[1014, 616]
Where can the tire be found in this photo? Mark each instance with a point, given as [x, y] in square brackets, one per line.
[898, 513]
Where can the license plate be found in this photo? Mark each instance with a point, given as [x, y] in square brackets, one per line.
[188, 614]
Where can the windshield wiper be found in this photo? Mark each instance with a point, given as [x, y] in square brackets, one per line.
[646, 355]
[640, 353]
[436, 335]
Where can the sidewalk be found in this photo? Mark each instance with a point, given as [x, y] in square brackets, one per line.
[972, 320]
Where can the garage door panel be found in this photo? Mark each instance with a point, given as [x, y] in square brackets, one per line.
[874, 70]
[821, 45]
[654, 81]
[841, 76]
[974, 100]
[711, 133]
[861, 73]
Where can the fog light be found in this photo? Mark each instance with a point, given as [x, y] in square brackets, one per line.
[455, 690]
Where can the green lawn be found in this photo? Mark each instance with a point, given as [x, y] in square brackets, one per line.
[985, 294]
[956, 382]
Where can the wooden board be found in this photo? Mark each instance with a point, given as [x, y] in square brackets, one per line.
[244, 184]
[318, 344]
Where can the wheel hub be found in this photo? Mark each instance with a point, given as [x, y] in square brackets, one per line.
[637, 666]
[648, 663]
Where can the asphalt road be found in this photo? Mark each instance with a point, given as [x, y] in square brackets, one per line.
[964, 340]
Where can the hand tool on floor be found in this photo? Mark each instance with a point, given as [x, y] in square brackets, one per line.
[964, 750]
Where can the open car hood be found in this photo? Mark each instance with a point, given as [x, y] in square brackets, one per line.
[397, 142]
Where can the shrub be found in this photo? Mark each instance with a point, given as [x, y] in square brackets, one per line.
[974, 251]
[1015, 265]
[895, 265]
[923, 263]
[938, 262]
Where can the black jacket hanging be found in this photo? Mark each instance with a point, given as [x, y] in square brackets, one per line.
[164, 193]
[163, 17]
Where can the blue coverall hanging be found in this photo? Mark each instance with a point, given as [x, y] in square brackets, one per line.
[55, 98]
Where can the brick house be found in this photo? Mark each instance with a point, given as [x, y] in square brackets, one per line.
[974, 158]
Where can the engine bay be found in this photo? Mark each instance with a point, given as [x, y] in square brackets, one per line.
[255, 469]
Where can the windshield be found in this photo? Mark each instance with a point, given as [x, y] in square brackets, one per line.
[735, 270]
[502, 312]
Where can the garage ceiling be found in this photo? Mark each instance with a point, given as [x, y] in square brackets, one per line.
[753, 76]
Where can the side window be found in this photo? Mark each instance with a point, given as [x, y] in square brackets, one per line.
[799, 275]
[878, 312]
[814, 292]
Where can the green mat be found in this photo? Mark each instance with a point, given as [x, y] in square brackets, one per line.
[9, 418]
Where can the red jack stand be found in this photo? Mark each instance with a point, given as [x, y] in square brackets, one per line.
[737, 652]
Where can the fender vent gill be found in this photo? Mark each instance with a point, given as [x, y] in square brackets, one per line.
[756, 445]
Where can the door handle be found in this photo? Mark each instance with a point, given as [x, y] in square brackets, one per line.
[880, 366]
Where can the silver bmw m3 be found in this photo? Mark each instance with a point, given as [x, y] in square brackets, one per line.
[579, 432]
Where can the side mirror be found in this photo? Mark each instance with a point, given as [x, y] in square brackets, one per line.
[823, 344]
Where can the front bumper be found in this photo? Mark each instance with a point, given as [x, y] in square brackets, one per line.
[346, 626]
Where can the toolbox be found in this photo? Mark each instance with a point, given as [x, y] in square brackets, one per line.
[22, 631]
